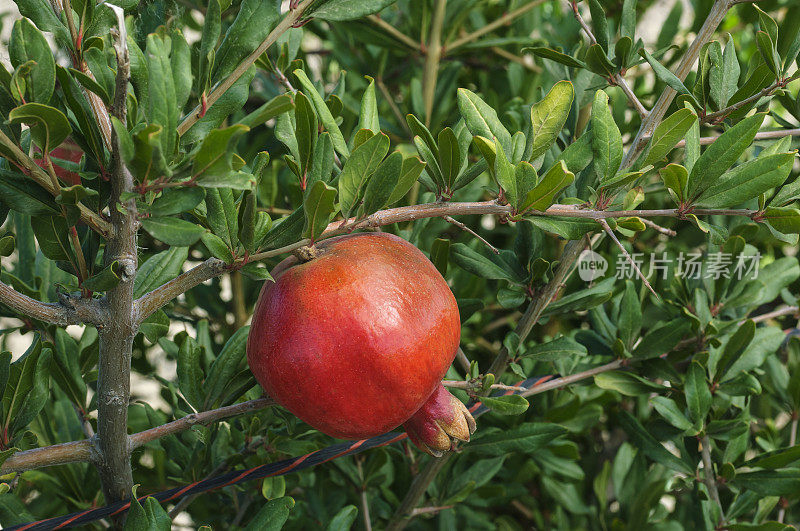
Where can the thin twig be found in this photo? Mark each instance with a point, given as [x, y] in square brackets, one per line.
[659, 228]
[458, 384]
[508, 18]
[715, 16]
[722, 113]
[573, 378]
[463, 227]
[429, 510]
[786, 310]
[462, 360]
[761, 135]
[604, 224]
[394, 32]
[70, 310]
[792, 442]
[616, 78]
[288, 21]
[433, 55]
[516, 59]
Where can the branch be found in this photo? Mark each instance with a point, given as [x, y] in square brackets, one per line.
[617, 78]
[573, 378]
[786, 310]
[91, 218]
[152, 301]
[761, 135]
[70, 310]
[470, 386]
[202, 418]
[81, 451]
[649, 124]
[394, 32]
[716, 117]
[288, 22]
[116, 338]
[434, 55]
[463, 227]
[710, 478]
[508, 18]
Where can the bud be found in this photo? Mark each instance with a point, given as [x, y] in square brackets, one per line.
[440, 421]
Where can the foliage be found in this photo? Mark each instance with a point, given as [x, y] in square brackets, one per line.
[679, 406]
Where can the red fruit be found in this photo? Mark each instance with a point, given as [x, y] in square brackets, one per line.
[355, 340]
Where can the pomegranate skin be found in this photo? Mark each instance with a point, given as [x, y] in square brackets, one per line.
[354, 341]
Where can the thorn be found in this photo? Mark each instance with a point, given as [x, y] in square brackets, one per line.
[603, 223]
[463, 227]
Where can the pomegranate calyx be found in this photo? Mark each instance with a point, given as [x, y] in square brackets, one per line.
[440, 423]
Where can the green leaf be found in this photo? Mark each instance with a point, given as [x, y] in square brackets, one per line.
[505, 174]
[383, 182]
[346, 517]
[305, 132]
[368, 118]
[222, 215]
[217, 247]
[506, 404]
[721, 155]
[666, 76]
[339, 10]
[675, 178]
[724, 78]
[159, 269]
[748, 181]
[68, 376]
[662, 338]
[562, 348]
[225, 366]
[173, 231]
[190, 373]
[106, 279]
[161, 101]
[213, 163]
[7, 245]
[526, 181]
[775, 459]
[544, 194]
[734, 348]
[272, 515]
[481, 119]
[668, 409]
[698, 395]
[52, 235]
[626, 383]
[477, 264]
[783, 219]
[525, 438]
[599, 23]
[598, 62]
[358, 169]
[42, 14]
[410, 172]
[28, 44]
[653, 449]
[450, 157]
[554, 55]
[250, 28]
[324, 113]
[212, 24]
[606, 138]
[668, 133]
[20, 193]
[770, 482]
[630, 315]
[549, 115]
[148, 517]
[318, 208]
[440, 254]
[766, 47]
[49, 126]
[278, 105]
[176, 201]
[231, 101]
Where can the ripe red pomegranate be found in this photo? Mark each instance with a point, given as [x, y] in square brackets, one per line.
[355, 341]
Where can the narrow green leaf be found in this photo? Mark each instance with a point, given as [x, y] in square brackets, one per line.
[506, 404]
[747, 181]
[668, 133]
[318, 207]
[549, 115]
[698, 395]
[544, 194]
[606, 138]
[721, 155]
[324, 113]
[653, 449]
[383, 183]
[173, 231]
[481, 119]
[358, 169]
[368, 118]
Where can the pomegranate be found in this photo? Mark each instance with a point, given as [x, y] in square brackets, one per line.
[355, 341]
